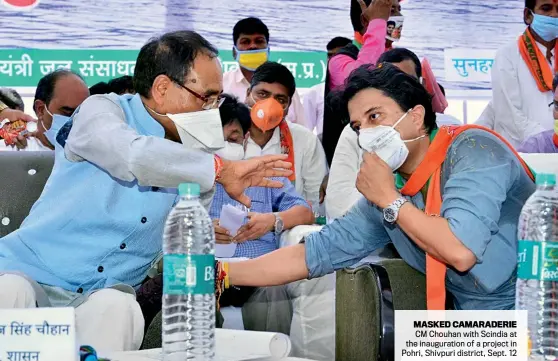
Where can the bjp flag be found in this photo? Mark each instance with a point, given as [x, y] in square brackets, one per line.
[20, 4]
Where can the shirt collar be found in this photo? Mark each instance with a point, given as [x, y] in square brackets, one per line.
[275, 139]
[143, 119]
[399, 180]
[239, 77]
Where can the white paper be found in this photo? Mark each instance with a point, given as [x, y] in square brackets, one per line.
[45, 334]
[232, 345]
[231, 219]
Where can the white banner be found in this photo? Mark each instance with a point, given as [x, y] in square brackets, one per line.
[468, 65]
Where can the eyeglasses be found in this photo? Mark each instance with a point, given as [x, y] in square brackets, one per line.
[555, 104]
[262, 95]
[209, 103]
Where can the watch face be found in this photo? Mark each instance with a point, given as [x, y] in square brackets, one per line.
[390, 215]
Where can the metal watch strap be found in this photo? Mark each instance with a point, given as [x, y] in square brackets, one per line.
[398, 203]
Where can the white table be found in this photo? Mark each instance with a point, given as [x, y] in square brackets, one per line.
[232, 345]
[155, 354]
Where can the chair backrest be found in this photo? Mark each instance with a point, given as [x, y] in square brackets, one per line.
[22, 178]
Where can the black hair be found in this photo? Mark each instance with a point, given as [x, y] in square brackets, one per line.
[356, 11]
[121, 85]
[173, 55]
[11, 98]
[250, 26]
[442, 89]
[45, 87]
[530, 4]
[99, 88]
[338, 42]
[555, 82]
[232, 110]
[404, 89]
[391, 22]
[272, 72]
[397, 55]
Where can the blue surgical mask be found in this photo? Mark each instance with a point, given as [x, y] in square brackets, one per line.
[57, 122]
[545, 26]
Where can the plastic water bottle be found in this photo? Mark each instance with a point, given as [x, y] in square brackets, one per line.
[188, 280]
[537, 270]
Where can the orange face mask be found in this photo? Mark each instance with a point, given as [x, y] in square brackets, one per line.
[267, 114]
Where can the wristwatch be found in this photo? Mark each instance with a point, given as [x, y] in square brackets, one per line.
[279, 225]
[391, 212]
[3, 107]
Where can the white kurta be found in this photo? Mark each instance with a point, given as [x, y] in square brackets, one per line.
[520, 108]
[310, 161]
[33, 145]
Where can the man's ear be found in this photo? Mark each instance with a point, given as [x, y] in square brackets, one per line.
[234, 52]
[39, 108]
[527, 16]
[418, 113]
[160, 87]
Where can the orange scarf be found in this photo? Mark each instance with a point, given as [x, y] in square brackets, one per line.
[536, 61]
[287, 146]
[430, 172]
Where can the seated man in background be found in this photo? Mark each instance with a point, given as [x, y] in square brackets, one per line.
[250, 50]
[273, 134]
[273, 211]
[465, 230]
[547, 141]
[57, 93]
[341, 192]
[12, 99]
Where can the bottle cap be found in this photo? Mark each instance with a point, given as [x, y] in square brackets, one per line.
[546, 179]
[189, 189]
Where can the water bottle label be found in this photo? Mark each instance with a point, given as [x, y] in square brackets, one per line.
[188, 274]
[537, 260]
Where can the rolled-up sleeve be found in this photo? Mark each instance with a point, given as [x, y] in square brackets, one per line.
[346, 241]
[480, 171]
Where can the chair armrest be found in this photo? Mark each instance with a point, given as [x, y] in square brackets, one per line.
[367, 296]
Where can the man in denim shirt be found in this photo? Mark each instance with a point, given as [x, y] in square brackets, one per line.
[483, 188]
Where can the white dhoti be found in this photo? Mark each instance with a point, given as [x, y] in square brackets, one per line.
[109, 320]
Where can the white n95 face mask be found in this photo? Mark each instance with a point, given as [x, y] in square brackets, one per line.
[231, 151]
[386, 142]
[200, 130]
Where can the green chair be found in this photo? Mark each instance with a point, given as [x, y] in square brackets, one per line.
[366, 297]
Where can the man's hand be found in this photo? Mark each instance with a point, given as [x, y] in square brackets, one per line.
[222, 236]
[378, 9]
[323, 188]
[13, 115]
[237, 176]
[259, 224]
[21, 141]
[375, 181]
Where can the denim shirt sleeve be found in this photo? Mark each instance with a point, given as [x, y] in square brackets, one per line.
[346, 241]
[479, 171]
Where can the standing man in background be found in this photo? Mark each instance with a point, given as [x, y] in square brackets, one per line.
[522, 76]
[314, 98]
[250, 50]
[369, 21]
